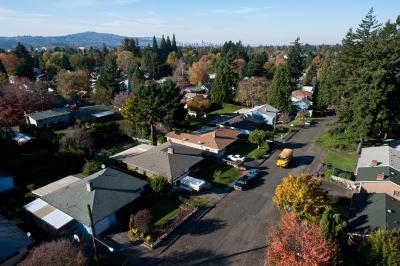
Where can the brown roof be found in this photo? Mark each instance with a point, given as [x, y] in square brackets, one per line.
[216, 139]
[300, 94]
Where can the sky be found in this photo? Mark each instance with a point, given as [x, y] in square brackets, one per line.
[254, 22]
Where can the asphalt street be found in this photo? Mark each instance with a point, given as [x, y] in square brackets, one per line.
[234, 231]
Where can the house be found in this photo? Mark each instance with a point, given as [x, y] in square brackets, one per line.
[377, 203]
[243, 123]
[298, 95]
[93, 113]
[303, 105]
[265, 113]
[50, 118]
[14, 243]
[378, 171]
[6, 181]
[307, 89]
[169, 159]
[213, 142]
[131, 152]
[66, 208]
[372, 211]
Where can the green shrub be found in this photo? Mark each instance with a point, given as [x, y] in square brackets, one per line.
[159, 184]
[91, 167]
[346, 175]
[329, 173]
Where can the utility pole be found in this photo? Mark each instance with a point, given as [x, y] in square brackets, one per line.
[93, 232]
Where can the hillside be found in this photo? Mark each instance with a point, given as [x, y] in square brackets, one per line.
[85, 39]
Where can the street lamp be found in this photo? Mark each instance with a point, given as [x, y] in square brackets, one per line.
[111, 249]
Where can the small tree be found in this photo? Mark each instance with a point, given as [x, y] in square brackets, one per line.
[332, 224]
[143, 220]
[259, 137]
[301, 195]
[159, 184]
[295, 243]
[77, 138]
[91, 166]
[58, 253]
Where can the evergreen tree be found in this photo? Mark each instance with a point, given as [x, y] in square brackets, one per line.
[130, 44]
[157, 104]
[163, 51]
[280, 89]
[110, 76]
[150, 63]
[25, 65]
[295, 60]
[173, 44]
[255, 67]
[169, 45]
[155, 45]
[222, 87]
[332, 225]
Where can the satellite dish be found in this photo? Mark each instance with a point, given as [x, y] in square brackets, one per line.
[76, 238]
[103, 166]
[28, 234]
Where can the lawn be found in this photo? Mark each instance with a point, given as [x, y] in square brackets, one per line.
[342, 160]
[228, 173]
[337, 140]
[164, 210]
[244, 148]
[227, 108]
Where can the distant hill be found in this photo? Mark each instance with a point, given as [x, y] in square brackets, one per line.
[85, 39]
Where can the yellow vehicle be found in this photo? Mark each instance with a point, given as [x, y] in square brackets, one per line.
[285, 157]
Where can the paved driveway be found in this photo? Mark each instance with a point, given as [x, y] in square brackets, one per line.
[234, 231]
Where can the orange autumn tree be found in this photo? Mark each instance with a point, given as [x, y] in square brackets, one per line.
[298, 244]
[198, 72]
[301, 195]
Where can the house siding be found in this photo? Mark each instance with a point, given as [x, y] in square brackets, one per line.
[387, 187]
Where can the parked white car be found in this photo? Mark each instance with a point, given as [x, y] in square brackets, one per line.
[236, 157]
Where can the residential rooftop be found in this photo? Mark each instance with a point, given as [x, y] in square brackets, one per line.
[49, 113]
[168, 159]
[369, 212]
[379, 156]
[216, 139]
[368, 174]
[12, 239]
[109, 191]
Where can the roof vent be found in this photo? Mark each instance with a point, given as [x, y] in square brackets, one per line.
[380, 176]
[170, 150]
[389, 211]
[89, 186]
[373, 163]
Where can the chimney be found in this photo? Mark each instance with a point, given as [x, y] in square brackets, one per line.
[171, 150]
[380, 176]
[373, 163]
[89, 186]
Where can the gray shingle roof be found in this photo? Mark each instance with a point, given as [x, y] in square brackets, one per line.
[48, 113]
[12, 239]
[369, 212]
[112, 190]
[242, 122]
[370, 174]
[384, 155]
[87, 112]
[158, 160]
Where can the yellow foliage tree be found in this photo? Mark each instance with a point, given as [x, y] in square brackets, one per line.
[301, 195]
